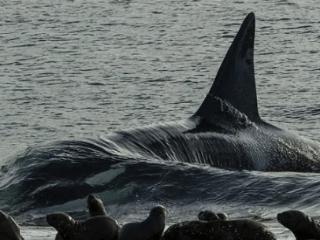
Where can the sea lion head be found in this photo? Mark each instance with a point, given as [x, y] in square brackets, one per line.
[222, 216]
[158, 213]
[60, 220]
[9, 227]
[293, 219]
[95, 206]
[208, 215]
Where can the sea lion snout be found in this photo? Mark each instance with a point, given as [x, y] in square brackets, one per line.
[292, 218]
[58, 219]
[51, 219]
[91, 197]
[95, 206]
[281, 217]
[3, 216]
[91, 200]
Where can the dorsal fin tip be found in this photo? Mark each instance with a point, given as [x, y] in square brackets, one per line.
[235, 80]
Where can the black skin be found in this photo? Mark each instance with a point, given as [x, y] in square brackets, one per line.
[302, 226]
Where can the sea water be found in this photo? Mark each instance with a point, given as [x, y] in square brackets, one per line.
[73, 70]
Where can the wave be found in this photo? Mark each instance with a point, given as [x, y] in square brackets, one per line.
[61, 175]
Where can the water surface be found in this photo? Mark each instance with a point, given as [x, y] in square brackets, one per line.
[82, 69]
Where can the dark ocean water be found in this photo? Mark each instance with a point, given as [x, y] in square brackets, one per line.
[74, 71]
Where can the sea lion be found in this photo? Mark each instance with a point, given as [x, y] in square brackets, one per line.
[217, 230]
[9, 229]
[94, 228]
[149, 229]
[223, 216]
[302, 225]
[95, 206]
[208, 215]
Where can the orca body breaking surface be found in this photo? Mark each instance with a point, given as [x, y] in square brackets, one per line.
[226, 131]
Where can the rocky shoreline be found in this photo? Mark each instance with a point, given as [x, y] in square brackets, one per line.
[210, 226]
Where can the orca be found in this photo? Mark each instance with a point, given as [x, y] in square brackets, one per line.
[226, 131]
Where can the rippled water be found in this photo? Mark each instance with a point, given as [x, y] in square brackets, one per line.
[79, 69]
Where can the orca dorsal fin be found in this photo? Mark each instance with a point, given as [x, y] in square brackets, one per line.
[235, 80]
